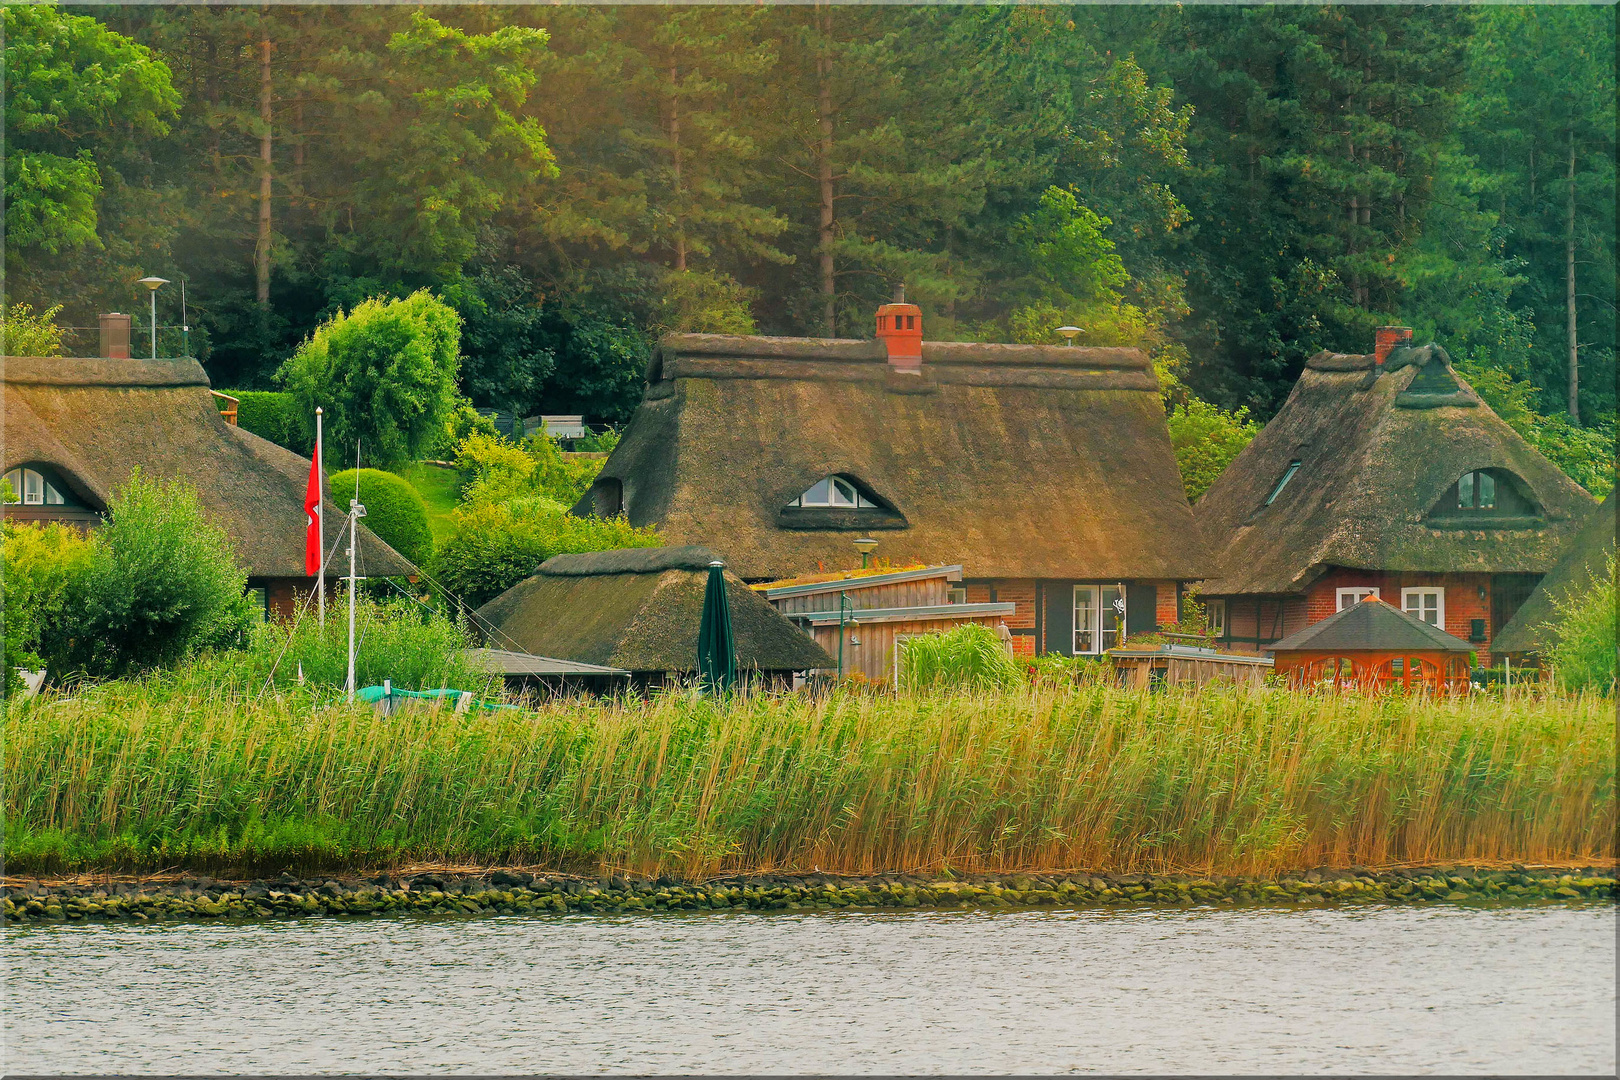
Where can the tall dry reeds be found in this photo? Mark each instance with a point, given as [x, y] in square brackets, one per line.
[172, 773]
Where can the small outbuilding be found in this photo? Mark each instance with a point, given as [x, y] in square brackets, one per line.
[1373, 645]
[638, 610]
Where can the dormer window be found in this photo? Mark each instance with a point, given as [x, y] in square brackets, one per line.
[1293, 467]
[1486, 498]
[837, 492]
[34, 488]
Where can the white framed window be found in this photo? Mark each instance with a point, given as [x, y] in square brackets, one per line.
[1215, 617]
[33, 489]
[956, 596]
[1351, 597]
[1099, 618]
[834, 491]
[1426, 604]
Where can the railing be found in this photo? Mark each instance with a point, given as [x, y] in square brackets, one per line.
[227, 406]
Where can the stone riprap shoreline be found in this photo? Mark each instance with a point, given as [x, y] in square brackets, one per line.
[510, 892]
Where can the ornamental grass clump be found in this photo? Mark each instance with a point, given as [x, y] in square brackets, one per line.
[966, 657]
[188, 771]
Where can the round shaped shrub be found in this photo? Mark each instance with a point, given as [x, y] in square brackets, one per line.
[394, 511]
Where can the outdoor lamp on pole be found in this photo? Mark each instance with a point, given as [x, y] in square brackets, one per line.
[153, 284]
[1069, 333]
[865, 545]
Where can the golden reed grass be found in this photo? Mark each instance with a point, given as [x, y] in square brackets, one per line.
[157, 774]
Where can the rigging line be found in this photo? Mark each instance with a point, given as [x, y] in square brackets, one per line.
[300, 610]
[488, 627]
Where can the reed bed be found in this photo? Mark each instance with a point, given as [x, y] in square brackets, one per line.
[171, 773]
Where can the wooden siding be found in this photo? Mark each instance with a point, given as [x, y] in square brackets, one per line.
[923, 592]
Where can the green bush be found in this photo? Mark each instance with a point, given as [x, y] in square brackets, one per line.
[497, 470]
[160, 584]
[42, 568]
[394, 511]
[1586, 634]
[496, 545]
[386, 375]
[273, 415]
[1206, 439]
[968, 657]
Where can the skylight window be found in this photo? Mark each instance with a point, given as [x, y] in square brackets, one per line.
[834, 491]
[1293, 467]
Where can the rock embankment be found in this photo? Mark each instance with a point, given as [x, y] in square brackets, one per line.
[509, 892]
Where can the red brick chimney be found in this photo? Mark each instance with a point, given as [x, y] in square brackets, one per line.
[1387, 338]
[899, 327]
[115, 336]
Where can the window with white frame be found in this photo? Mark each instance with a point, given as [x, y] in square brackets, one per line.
[33, 489]
[1099, 618]
[1426, 604]
[834, 491]
[1352, 597]
[1215, 617]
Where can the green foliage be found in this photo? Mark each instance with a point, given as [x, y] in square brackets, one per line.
[598, 442]
[274, 415]
[398, 640]
[1206, 438]
[69, 79]
[161, 583]
[394, 510]
[27, 334]
[497, 470]
[1586, 635]
[704, 303]
[385, 373]
[42, 573]
[496, 545]
[967, 657]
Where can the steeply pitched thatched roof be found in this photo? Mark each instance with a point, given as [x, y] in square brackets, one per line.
[1371, 626]
[1014, 460]
[639, 610]
[1377, 451]
[1586, 557]
[98, 420]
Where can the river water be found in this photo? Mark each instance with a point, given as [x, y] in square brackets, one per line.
[1379, 989]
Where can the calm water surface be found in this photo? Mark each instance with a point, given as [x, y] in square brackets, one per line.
[1392, 990]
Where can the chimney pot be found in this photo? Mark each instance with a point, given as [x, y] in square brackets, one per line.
[115, 336]
[899, 327]
[1386, 339]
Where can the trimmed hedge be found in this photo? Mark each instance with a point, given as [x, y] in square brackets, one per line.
[394, 511]
[273, 415]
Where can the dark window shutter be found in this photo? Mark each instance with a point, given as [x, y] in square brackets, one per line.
[1141, 609]
[1058, 599]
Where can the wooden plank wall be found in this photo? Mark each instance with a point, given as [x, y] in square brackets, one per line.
[922, 593]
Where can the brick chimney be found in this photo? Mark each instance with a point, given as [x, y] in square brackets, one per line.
[115, 336]
[899, 327]
[1387, 338]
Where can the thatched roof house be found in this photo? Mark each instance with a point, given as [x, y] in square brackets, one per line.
[1036, 468]
[1585, 559]
[639, 610]
[1384, 474]
[84, 425]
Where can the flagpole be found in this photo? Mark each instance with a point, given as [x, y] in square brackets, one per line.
[320, 520]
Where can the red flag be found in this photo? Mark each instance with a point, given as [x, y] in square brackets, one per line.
[312, 530]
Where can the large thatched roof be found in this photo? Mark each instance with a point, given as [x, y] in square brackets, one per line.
[96, 421]
[1377, 451]
[639, 610]
[1586, 558]
[1013, 460]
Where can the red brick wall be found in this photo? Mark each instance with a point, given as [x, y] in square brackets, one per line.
[1166, 607]
[1468, 597]
[1019, 591]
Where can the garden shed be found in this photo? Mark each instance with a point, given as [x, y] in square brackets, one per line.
[638, 610]
[1373, 645]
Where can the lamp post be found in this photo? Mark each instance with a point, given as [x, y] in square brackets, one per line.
[153, 284]
[1069, 333]
[865, 545]
[844, 608]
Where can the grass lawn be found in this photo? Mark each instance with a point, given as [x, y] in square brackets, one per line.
[437, 485]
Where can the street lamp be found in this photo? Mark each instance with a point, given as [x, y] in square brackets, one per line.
[1068, 333]
[865, 545]
[153, 284]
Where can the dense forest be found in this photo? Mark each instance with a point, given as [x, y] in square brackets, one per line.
[1233, 188]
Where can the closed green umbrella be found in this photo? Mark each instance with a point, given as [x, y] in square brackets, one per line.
[717, 646]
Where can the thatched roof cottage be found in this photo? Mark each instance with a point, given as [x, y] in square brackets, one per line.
[1585, 560]
[77, 428]
[1383, 474]
[1046, 472]
[639, 610]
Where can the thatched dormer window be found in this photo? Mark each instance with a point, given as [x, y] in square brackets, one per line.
[1487, 498]
[837, 493]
